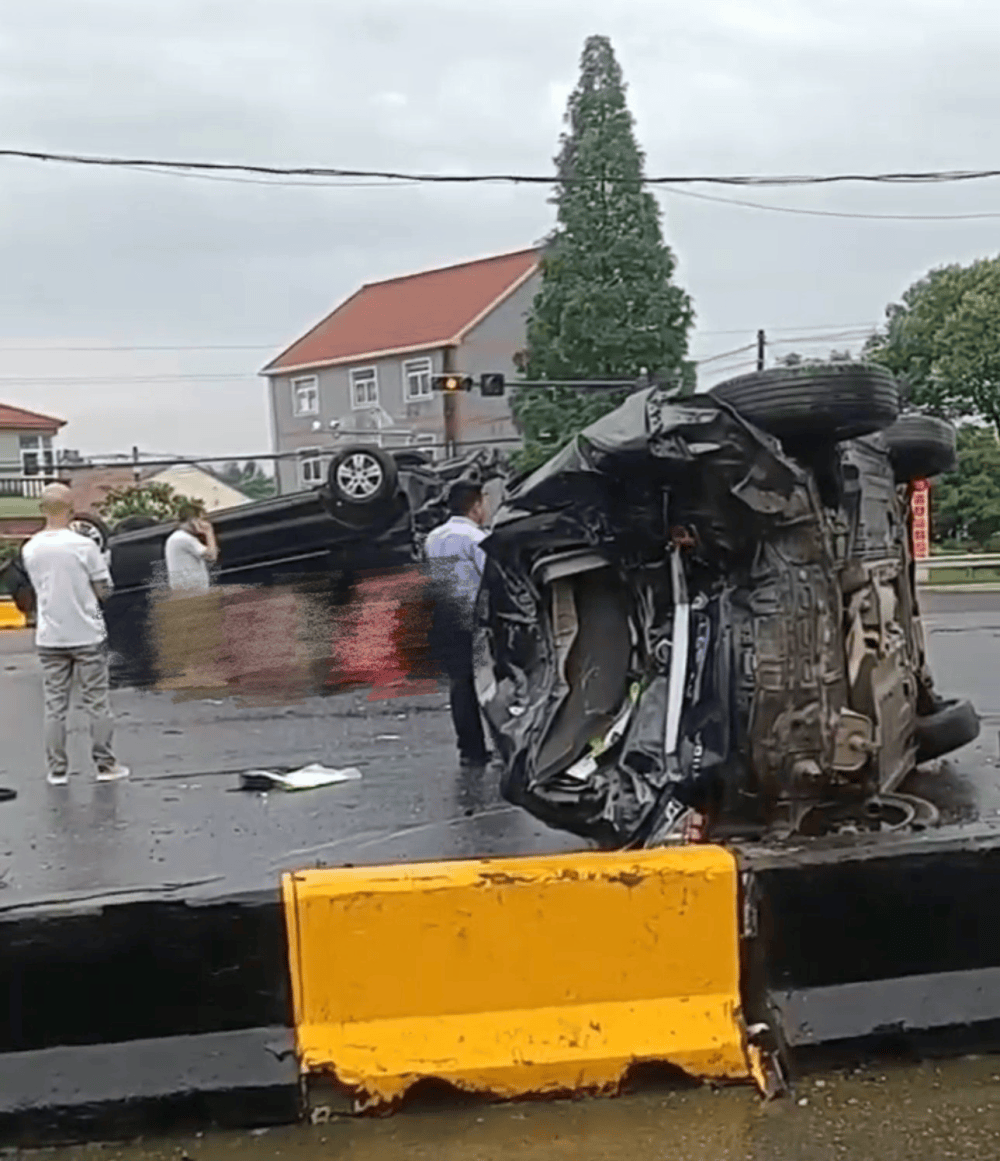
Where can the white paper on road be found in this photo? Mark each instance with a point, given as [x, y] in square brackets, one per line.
[307, 778]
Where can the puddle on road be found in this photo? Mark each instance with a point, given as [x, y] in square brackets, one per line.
[896, 1112]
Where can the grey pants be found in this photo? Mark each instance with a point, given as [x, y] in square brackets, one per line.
[89, 663]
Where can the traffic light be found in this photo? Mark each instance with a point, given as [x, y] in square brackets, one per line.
[492, 385]
[451, 383]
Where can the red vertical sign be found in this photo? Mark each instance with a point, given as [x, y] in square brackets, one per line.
[920, 518]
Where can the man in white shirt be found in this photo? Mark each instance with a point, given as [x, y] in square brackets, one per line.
[189, 621]
[456, 565]
[189, 552]
[70, 578]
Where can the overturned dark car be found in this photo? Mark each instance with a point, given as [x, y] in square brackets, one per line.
[370, 517]
[708, 604]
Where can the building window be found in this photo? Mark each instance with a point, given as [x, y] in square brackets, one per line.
[364, 387]
[417, 379]
[305, 396]
[37, 456]
[311, 467]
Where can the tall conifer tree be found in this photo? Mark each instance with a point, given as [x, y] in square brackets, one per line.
[607, 306]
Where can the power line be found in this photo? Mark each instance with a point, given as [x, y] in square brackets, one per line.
[276, 183]
[726, 354]
[832, 213]
[841, 336]
[897, 178]
[785, 330]
[853, 334]
[408, 184]
[272, 346]
[58, 380]
[416, 181]
[178, 347]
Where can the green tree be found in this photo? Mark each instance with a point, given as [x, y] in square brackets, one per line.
[157, 500]
[942, 341]
[607, 306]
[965, 504]
[249, 479]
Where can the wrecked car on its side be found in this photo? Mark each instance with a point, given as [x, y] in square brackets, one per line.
[708, 604]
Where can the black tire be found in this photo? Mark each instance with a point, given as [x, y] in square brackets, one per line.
[87, 524]
[920, 447]
[134, 523]
[953, 724]
[832, 403]
[362, 477]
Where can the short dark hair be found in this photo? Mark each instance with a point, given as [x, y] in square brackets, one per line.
[463, 497]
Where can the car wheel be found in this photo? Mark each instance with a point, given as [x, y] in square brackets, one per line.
[835, 402]
[362, 476]
[91, 526]
[134, 523]
[953, 724]
[920, 446]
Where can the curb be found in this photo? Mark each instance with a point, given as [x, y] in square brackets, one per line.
[145, 1014]
[542, 975]
[880, 944]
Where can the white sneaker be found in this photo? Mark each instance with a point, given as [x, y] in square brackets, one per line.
[116, 772]
[57, 779]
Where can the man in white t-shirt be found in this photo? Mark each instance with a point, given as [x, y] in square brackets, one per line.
[190, 619]
[189, 551]
[70, 578]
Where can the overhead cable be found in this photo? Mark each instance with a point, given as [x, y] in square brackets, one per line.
[891, 178]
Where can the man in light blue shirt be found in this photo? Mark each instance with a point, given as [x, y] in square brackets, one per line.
[456, 563]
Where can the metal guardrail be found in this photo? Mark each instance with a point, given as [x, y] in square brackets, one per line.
[970, 565]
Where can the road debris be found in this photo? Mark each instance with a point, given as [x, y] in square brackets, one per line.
[306, 778]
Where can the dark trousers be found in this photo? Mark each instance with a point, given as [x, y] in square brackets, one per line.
[464, 703]
[452, 645]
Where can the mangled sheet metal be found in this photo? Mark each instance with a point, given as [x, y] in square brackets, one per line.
[426, 488]
[638, 649]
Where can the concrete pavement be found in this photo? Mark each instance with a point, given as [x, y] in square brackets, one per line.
[181, 819]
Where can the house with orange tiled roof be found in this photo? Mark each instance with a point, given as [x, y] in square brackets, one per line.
[363, 373]
[27, 463]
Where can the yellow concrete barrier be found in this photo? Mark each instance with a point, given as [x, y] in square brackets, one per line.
[517, 976]
[11, 616]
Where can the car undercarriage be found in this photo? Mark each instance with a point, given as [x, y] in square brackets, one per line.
[685, 613]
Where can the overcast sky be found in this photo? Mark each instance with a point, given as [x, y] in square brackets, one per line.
[95, 257]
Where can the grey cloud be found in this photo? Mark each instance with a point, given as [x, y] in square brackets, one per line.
[716, 85]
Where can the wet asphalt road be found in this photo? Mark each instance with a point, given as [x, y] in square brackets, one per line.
[181, 823]
[913, 1112]
[181, 820]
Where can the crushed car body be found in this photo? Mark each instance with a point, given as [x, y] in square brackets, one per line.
[682, 612]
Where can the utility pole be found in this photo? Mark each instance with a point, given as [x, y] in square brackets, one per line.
[449, 402]
[760, 350]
